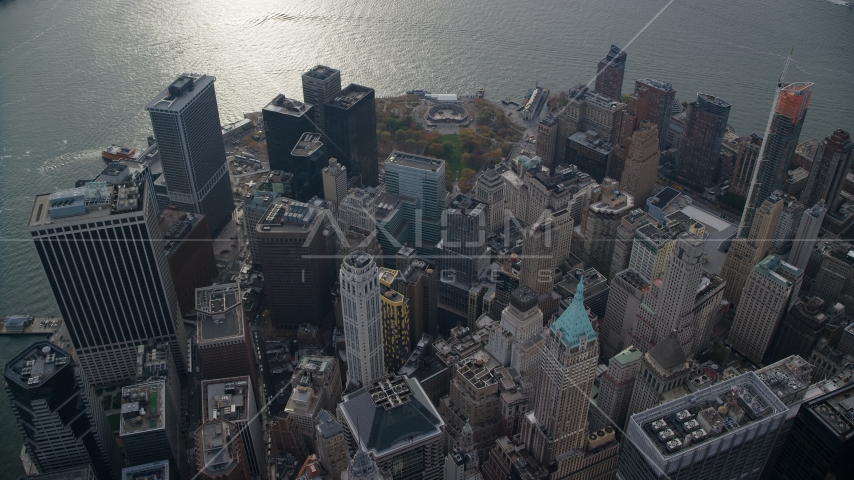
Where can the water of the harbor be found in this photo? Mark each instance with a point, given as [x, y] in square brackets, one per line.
[75, 74]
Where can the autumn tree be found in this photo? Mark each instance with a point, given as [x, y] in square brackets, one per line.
[466, 180]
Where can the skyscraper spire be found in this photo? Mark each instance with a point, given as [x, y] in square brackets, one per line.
[467, 447]
[555, 433]
[574, 323]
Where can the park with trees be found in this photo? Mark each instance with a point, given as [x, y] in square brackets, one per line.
[489, 139]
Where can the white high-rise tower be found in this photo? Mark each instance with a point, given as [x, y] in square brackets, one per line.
[363, 328]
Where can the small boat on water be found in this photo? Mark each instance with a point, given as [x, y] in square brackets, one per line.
[117, 152]
[418, 92]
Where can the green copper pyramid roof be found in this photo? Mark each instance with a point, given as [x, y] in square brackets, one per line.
[574, 322]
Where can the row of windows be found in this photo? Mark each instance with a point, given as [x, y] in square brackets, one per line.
[107, 284]
[77, 227]
[165, 126]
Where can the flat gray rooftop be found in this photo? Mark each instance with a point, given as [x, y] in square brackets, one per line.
[656, 83]
[287, 106]
[37, 364]
[709, 415]
[327, 425]
[414, 161]
[143, 408]
[218, 452]
[226, 398]
[74, 473]
[321, 72]
[350, 96]
[94, 200]
[307, 145]
[165, 100]
[219, 312]
[149, 471]
[290, 217]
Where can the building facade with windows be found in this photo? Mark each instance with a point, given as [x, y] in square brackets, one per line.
[104, 257]
[185, 120]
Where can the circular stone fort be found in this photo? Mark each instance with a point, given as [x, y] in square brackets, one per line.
[448, 114]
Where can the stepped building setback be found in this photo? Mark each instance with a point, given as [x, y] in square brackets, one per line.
[608, 205]
[786, 125]
[570, 312]
[255, 205]
[769, 290]
[556, 431]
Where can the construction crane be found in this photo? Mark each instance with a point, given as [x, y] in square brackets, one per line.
[761, 157]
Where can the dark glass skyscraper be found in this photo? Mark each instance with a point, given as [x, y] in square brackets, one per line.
[831, 163]
[298, 250]
[285, 120]
[185, 119]
[780, 144]
[700, 158]
[590, 153]
[610, 73]
[309, 156]
[821, 442]
[58, 414]
[801, 328]
[351, 125]
[462, 253]
[656, 104]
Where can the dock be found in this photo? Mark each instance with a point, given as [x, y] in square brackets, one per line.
[29, 325]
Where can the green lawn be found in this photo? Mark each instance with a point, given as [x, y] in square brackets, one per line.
[455, 159]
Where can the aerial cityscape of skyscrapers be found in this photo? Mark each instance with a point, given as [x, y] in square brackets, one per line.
[344, 286]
